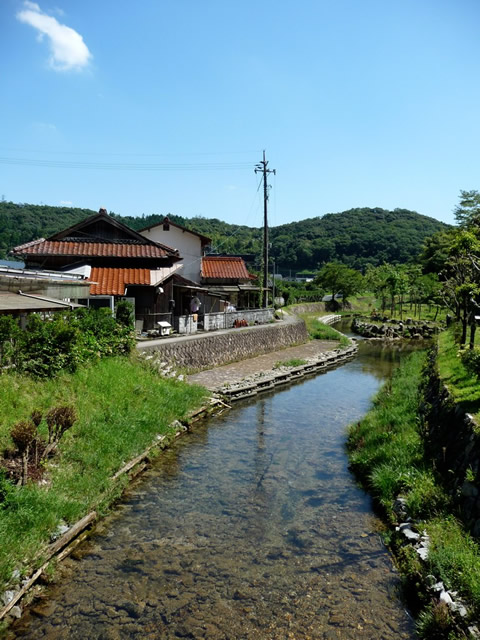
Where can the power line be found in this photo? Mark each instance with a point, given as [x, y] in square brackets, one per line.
[129, 153]
[122, 166]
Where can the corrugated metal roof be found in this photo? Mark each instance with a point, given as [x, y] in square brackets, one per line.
[93, 249]
[18, 302]
[224, 268]
[112, 282]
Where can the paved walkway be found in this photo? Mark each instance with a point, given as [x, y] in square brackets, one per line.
[237, 371]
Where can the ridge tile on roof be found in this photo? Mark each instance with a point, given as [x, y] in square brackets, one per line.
[90, 249]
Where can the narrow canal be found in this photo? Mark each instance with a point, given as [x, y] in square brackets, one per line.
[251, 527]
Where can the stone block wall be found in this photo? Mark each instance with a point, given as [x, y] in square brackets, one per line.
[212, 349]
[308, 307]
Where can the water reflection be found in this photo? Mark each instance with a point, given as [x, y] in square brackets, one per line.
[251, 527]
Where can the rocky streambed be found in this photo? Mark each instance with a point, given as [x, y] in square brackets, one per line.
[250, 527]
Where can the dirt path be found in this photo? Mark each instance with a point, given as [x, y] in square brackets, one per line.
[237, 371]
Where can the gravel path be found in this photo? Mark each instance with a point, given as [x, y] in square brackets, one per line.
[237, 371]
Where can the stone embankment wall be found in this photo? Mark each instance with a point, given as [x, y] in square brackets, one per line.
[266, 381]
[308, 307]
[212, 349]
[452, 441]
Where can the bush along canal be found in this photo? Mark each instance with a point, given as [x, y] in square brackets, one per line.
[250, 527]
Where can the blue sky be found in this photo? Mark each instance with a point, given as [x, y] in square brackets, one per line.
[165, 106]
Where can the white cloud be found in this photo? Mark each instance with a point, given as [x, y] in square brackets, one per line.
[66, 203]
[68, 50]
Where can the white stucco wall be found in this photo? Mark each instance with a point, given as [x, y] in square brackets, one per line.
[188, 244]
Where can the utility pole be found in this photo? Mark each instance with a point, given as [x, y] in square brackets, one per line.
[262, 167]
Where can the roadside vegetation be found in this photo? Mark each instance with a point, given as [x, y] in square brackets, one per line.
[65, 432]
[64, 341]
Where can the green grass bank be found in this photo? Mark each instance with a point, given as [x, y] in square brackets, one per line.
[463, 386]
[386, 452]
[122, 406]
[319, 331]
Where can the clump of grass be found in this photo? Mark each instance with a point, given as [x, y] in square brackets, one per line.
[436, 621]
[293, 362]
[121, 407]
[454, 557]
[320, 331]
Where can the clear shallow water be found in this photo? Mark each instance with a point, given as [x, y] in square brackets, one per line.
[250, 527]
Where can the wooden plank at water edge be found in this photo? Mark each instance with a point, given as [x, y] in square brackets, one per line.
[52, 550]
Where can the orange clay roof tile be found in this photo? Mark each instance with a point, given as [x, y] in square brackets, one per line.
[112, 282]
[224, 268]
[93, 249]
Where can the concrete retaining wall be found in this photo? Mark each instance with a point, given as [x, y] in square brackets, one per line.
[212, 349]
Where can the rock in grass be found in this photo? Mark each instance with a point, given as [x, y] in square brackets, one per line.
[7, 597]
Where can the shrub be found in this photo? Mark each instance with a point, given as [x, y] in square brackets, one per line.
[59, 420]
[23, 434]
[63, 341]
[47, 346]
[471, 360]
[124, 313]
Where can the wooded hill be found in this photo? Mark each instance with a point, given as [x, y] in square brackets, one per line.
[356, 237]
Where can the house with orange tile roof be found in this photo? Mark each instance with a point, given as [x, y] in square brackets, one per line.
[118, 261]
[228, 277]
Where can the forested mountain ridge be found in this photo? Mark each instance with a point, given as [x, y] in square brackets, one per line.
[356, 237]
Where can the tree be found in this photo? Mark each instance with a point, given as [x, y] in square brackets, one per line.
[467, 211]
[435, 251]
[462, 284]
[337, 278]
[376, 281]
